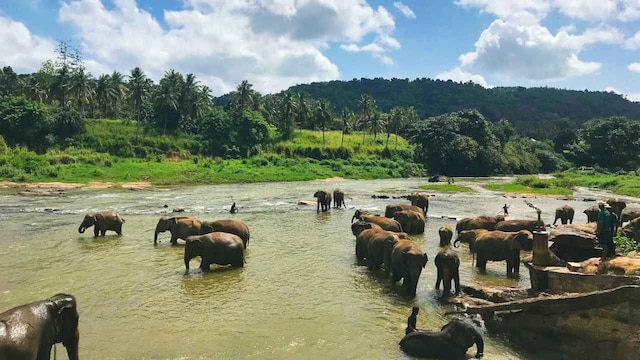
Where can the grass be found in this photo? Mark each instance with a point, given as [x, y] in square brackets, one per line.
[450, 188]
[522, 189]
[624, 245]
[620, 184]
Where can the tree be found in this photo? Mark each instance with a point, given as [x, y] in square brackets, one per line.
[613, 142]
[302, 112]
[377, 123]
[323, 114]
[80, 88]
[287, 114]
[138, 88]
[252, 131]
[117, 92]
[103, 93]
[347, 118]
[24, 122]
[397, 121]
[167, 100]
[244, 96]
[368, 108]
[9, 82]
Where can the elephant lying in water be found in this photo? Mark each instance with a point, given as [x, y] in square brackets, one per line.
[214, 248]
[29, 331]
[450, 343]
[102, 221]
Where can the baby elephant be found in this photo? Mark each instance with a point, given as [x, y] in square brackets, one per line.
[214, 248]
[448, 263]
[102, 221]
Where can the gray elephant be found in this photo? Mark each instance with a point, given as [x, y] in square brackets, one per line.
[446, 234]
[412, 222]
[101, 222]
[450, 343]
[629, 214]
[592, 213]
[469, 237]
[235, 227]
[383, 222]
[565, 214]
[28, 332]
[179, 227]
[214, 248]
[518, 225]
[377, 247]
[324, 200]
[632, 230]
[338, 198]
[359, 226]
[499, 246]
[365, 236]
[479, 222]
[406, 261]
[420, 200]
[617, 205]
[391, 210]
[448, 265]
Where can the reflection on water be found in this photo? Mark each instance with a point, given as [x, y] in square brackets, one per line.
[300, 295]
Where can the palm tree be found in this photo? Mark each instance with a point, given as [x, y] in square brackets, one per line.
[117, 91]
[302, 111]
[244, 95]
[323, 114]
[80, 87]
[167, 98]
[138, 88]
[367, 109]
[397, 121]
[103, 93]
[377, 123]
[35, 89]
[60, 85]
[188, 97]
[287, 114]
[347, 116]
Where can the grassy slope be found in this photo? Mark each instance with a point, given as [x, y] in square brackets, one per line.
[84, 165]
[523, 189]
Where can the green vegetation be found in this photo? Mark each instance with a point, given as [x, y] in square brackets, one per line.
[535, 185]
[624, 245]
[624, 184]
[446, 188]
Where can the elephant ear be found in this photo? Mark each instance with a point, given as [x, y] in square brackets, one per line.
[66, 322]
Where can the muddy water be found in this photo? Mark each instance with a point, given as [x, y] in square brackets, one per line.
[300, 296]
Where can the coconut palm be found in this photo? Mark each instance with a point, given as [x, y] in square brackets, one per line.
[103, 93]
[167, 97]
[323, 115]
[368, 108]
[117, 92]
[244, 96]
[347, 118]
[80, 88]
[138, 87]
[397, 121]
[287, 114]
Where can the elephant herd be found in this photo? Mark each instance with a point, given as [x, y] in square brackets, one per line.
[324, 199]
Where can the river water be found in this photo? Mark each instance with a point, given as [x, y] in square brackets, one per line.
[301, 294]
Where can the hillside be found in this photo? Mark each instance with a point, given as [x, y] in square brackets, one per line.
[536, 112]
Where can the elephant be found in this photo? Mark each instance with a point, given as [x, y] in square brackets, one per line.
[101, 222]
[592, 213]
[30, 331]
[383, 222]
[180, 228]
[479, 222]
[324, 200]
[517, 225]
[235, 227]
[359, 226]
[629, 214]
[365, 236]
[632, 230]
[391, 210]
[499, 245]
[412, 222]
[338, 199]
[377, 247]
[446, 233]
[214, 248]
[617, 205]
[420, 200]
[469, 237]
[565, 214]
[406, 261]
[450, 343]
[448, 265]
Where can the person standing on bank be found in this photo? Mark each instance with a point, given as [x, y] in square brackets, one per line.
[605, 229]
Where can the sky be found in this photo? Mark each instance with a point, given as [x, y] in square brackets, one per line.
[570, 44]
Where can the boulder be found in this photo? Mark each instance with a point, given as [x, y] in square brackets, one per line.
[622, 265]
[581, 236]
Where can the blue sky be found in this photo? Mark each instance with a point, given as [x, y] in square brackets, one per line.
[576, 44]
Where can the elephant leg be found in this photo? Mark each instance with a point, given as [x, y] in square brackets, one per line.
[456, 280]
[96, 231]
[174, 239]
[204, 266]
[447, 283]
[571, 221]
[103, 232]
[439, 278]
[516, 263]
[509, 266]
[119, 230]
[555, 221]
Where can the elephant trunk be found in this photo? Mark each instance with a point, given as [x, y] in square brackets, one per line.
[479, 345]
[456, 242]
[155, 237]
[71, 344]
[353, 218]
[81, 229]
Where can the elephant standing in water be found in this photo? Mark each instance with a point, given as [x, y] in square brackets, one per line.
[359, 226]
[235, 227]
[338, 199]
[383, 222]
[412, 222]
[499, 245]
[180, 228]
[565, 214]
[592, 213]
[214, 248]
[324, 200]
[450, 343]
[448, 265]
[405, 260]
[469, 237]
[479, 222]
[446, 233]
[101, 222]
[29, 331]
[377, 247]
[391, 210]
[420, 200]
[366, 235]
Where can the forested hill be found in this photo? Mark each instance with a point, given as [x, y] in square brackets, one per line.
[537, 112]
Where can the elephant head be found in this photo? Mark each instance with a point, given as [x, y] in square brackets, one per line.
[413, 265]
[445, 233]
[464, 335]
[468, 237]
[164, 224]
[192, 248]
[358, 214]
[360, 226]
[64, 311]
[88, 221]
[521, 239]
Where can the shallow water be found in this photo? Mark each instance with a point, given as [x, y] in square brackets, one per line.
[301, 294]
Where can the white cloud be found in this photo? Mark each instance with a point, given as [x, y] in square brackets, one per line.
[587, 9]
[523, 11]
[404, 9]
[514, 51]
[459, 75]
[631, 96]
[630, 10]
[635, 67]
[633, 43]
[271, 43]
[20, 49]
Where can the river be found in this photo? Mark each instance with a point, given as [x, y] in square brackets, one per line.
[301, 294]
